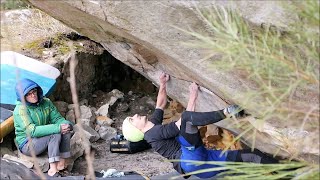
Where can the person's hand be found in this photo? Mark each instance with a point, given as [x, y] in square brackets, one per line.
[64, 128]
[234, 110]
[193, 89]
[164, 78]
[193, 94]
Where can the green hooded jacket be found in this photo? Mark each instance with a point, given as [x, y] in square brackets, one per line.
[36, 120]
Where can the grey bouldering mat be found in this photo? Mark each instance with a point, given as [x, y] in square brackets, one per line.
[5, 114]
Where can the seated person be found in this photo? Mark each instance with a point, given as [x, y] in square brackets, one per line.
[181, 140]
[39, 126]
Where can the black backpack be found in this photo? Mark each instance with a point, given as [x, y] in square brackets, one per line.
[119, 144]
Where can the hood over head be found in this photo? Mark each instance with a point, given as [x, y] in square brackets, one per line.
[24, 86]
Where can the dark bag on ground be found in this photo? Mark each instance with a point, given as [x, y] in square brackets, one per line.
[120, 145]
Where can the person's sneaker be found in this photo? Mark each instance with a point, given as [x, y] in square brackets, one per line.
[234, 110]
[56, 175]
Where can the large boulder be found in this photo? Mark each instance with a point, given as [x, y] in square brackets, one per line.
[142, 35]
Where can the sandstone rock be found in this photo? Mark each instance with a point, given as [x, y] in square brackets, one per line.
[104, 121]
[42, 160]
[148, 102]
[90, 133]
[77, 149]
[62, 107]
[212, 133]
[107, 132]
[71, 116]
[86, 113]
[93, 109]
[168, 113]
[103, 110]
[176, 106]
[97, 128]
[114, 96]
[86, 122]
[87, 116]
[28, 164]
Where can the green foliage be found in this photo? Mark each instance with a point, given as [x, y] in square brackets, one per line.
[13, 4]
[35, 46]
[60, 42]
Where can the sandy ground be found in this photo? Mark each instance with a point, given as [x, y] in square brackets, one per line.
[148, 163]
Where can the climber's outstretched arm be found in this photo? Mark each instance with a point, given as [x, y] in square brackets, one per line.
[162, 94]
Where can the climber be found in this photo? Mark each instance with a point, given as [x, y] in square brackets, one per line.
[181, 140]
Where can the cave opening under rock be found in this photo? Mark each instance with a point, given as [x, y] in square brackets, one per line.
[97, 74]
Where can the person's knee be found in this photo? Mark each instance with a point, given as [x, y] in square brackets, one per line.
[185, 116]
[186, 125]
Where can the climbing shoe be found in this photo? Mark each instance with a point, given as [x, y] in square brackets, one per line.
[234, 111]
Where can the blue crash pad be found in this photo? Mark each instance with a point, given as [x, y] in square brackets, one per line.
[9, 79]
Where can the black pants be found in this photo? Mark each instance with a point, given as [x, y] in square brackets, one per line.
[246, 155]
[190, 121]
[189, 130]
